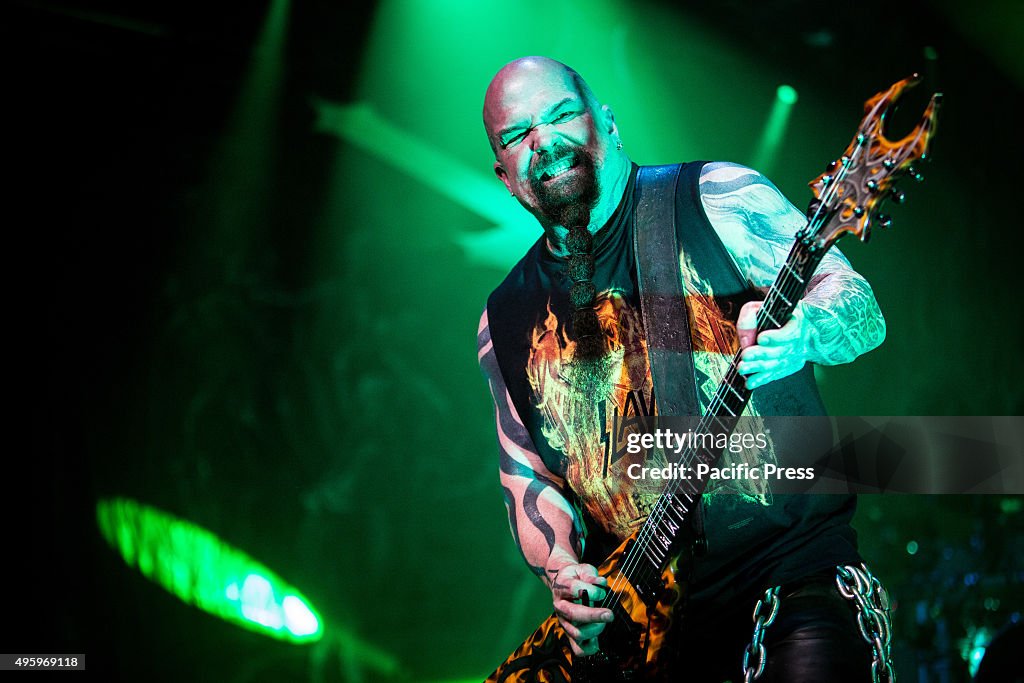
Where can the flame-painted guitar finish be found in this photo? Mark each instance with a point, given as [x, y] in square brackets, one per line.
[631, 643]
[645, 573]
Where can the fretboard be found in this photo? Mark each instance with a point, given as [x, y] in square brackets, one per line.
[658, 539]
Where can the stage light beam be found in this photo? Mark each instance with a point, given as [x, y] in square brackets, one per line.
[766, 153]
[202, 570]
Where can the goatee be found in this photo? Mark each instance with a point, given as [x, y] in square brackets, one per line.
[569, 201]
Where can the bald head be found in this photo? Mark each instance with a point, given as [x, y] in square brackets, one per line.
[555, 146]
[518, 76]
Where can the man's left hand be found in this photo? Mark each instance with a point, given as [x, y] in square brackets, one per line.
[775, 353]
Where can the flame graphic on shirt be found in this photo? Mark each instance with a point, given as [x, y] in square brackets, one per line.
[575, 422]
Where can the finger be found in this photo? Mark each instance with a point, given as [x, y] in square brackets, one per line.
[755, 381]
[784, 335]
[581, 633]
[588, 573]
[793, 329]
[588, 648]
[579, 614]
[751, 367]
[758, 352]
[575, 589]
[746, 323]
[583, 572]
[593, 592]
[761, 378]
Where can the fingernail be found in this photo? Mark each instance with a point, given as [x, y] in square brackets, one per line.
[607, 617]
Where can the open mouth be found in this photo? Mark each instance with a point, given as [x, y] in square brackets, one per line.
[557, 169]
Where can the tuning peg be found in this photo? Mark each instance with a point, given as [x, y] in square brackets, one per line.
[884, 220]
[831, 166]
[872, 185]
[889, 163]
[914, 173]
[898, 196]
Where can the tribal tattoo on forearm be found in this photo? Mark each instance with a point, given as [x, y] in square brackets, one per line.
[546, 527]
[758, 225]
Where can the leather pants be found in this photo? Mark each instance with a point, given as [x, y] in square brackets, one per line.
[814, 639]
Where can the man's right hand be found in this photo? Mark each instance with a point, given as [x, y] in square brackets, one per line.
[582, 624]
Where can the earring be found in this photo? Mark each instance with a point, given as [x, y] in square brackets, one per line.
[619, 145]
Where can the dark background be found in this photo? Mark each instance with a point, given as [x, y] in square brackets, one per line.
[224, 310]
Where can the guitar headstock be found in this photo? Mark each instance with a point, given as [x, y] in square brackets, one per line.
[850, 192]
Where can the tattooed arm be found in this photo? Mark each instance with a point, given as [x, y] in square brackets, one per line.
[546, 527]
[837, 320]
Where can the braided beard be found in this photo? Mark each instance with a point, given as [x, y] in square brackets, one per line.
[591, 363]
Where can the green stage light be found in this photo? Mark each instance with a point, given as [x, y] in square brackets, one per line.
[786, 94]
[974, 645]
[766, 154]
[202, 570]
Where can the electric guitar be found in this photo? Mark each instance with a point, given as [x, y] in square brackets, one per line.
[646, 572]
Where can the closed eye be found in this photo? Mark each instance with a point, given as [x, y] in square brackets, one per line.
[514, 139]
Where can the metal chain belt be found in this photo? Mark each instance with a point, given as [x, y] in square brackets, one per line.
[856, 584]
[860, 585]
[754, 656]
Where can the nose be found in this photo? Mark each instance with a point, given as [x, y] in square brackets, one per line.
[542, 138]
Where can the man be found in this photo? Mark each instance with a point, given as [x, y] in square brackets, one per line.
[562, 346]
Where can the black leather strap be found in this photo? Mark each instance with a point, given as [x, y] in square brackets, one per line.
[662, 302]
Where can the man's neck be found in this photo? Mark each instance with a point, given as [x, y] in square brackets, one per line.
[615, 178]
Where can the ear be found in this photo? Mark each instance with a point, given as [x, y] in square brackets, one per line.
[608, 118]
[502, 174]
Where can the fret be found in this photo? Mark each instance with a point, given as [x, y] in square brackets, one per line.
[728, 385]
[650, 554]
[792, 272]
[706, 456]
[724, 427]
[769, 316]
[788, 302]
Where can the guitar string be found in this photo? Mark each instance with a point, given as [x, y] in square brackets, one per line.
[661, 508]
[662, 505]
[792, 286]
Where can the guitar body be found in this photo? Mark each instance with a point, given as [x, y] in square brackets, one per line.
[632, 646]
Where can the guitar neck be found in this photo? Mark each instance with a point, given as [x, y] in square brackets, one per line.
[657, 541]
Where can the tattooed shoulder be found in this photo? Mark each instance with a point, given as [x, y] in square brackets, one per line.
[757, 225]
[755, 222]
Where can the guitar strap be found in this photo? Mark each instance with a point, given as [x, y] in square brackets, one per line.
[662, 302]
